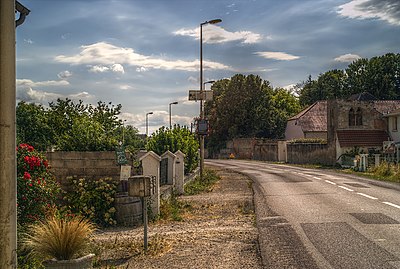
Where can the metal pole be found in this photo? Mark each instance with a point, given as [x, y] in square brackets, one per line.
[170, 125]
[145, 243]
[201, 103]
[147, 125]
[8, 188]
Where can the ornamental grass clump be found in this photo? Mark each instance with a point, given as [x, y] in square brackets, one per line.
[59, 238]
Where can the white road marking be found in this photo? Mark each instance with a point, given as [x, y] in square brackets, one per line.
[345, 188]
[394, 205]
[368, 196]
[317, 178]
[330, 182]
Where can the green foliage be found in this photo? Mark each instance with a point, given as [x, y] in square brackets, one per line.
[247, 106]
[71, 126]
[93, 199]
[172, 208]
[37, 189]
[378, 76]
[32, 126]
[84, 127]
[178, 138]
[197, 185]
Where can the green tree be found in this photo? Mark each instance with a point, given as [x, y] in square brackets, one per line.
[379, 76]
[32, 126]
[247, 106]
[77, 126]
[178, 138]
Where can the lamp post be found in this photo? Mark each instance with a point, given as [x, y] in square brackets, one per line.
[173, 103]
[123, 132]
[147, 122]
[201, 92]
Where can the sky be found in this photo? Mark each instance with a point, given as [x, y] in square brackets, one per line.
[145, 54]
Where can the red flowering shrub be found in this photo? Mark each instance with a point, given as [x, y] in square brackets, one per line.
[37, 189]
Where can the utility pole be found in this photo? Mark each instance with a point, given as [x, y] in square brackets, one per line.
[8, 169]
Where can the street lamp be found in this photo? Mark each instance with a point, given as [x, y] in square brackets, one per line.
[123, 132]
[173, 103]
[201, 92]
[147, 123]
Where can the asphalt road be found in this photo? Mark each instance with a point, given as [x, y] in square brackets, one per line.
[310, 218]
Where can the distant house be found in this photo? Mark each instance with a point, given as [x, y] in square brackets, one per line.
[309, 123]
[359, 123]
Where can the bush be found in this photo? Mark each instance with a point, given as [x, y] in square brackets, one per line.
[37, 189]
[93, 199]
[178, 138]
[197, 186]
[60, 238]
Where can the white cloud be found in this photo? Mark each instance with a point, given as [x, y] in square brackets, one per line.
[141, 69]
[29, 41]
[193, 79]
[64, 74]
[281, 56]
[30, 83]
[386, 10]
[117, 68]
[28, 94]
[215, 34]
[347, 58]
[103, 54]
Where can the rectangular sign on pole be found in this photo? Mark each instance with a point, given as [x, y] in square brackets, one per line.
[195, 95]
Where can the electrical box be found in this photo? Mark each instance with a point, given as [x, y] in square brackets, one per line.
[141, 186]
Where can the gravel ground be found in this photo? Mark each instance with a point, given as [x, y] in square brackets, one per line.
[217, 231]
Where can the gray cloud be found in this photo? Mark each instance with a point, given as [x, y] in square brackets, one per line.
[387, 10]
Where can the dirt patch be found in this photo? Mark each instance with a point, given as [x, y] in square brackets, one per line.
[218, 231]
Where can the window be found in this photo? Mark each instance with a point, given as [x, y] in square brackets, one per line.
[355, 117]
[358, 117]
[352, 118]
[394, 124]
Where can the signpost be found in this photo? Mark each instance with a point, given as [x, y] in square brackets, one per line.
[196, 95]
[144, 187]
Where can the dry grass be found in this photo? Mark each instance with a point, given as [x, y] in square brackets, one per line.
[59, 238]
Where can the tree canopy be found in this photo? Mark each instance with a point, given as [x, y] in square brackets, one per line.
[247, 106]
[69, 126]
[379, 76]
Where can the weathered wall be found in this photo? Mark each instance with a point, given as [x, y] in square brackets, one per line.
[311, 153]
[90, 165]
[265, 150]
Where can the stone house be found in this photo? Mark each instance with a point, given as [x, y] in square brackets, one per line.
[309, 123]
[360, 123]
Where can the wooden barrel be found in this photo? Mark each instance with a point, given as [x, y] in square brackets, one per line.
[128, 210]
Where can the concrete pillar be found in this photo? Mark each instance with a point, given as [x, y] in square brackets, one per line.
[151, 167]
[363, 162]
[171, 166]
[180, 172]
[377, 159]
[8, 189]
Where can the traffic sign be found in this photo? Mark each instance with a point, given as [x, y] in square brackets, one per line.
[196, 95]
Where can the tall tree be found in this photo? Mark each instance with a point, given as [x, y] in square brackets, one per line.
[247, 106]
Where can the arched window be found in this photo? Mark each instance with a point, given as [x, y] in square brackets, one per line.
[358, 117]
[352, 118]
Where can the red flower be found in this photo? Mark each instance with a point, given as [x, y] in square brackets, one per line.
[27, 175]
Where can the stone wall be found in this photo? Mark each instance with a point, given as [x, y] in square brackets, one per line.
[310, 153]
[90, 165]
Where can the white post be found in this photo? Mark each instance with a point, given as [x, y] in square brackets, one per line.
[151, 167]
[179, 172]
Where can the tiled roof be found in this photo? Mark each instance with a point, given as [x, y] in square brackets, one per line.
[386, 106]
[361, 138]
[313, 118]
